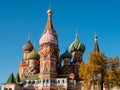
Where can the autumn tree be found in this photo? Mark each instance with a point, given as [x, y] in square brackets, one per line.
[100, 70]
[114, 72]
[96, 66]
[85, 74]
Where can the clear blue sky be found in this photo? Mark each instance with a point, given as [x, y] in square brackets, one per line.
[19, 17]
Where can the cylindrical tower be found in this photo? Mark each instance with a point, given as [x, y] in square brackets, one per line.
[33, 58]
[49, 53]
[77, 49]
[23, 66]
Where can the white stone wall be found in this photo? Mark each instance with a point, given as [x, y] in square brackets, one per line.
[8, 86]
[115, 88]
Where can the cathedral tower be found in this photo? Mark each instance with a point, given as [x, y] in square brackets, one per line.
[67, 68]
[23, 66]
[49, 54]
[77, 49]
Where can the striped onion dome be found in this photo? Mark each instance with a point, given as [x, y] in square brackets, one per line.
[77, 45]
[33, 55]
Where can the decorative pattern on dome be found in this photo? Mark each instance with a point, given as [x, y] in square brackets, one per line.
[28, 46]
[77, 45]
[33, 55]
[66, 55]
[49, 35]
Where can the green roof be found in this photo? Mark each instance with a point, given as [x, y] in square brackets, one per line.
[11, 79]
[17, 78]
[66, 55]
[33, 55]
[77, 45]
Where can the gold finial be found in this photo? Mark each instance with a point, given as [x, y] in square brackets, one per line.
[76, 32]
[49, 11]
[95, 36]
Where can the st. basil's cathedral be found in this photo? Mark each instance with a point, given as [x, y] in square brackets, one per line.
[43, 70]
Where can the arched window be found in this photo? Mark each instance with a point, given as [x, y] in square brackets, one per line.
[10, 88]
[51, 81]
[29, 82]
[23, 84]
[72, 83]
[43, 81]
[38, 81]
[5, 89]
[52, 69]
[58, 81]
[33, 82]
[63, 81]
[47, 81]
[46, 69]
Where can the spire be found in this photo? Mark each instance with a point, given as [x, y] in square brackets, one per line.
[49, 35]
[77, 35]
[49, 25]
[11, 79]
[28, 36]
[96, 46]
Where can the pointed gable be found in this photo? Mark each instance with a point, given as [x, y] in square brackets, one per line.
[17, 78]
[11, 79]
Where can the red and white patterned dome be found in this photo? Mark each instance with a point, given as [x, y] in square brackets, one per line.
[48, 37]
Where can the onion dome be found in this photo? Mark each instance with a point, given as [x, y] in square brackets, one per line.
[77, 45]
[49, 35]
[66, 55]
[28, 46]
[33, 55]
[48, 38]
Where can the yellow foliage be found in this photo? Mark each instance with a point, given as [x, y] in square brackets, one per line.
[107, 68]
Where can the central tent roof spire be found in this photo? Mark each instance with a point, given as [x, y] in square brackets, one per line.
[49, 35]
[49, 26]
